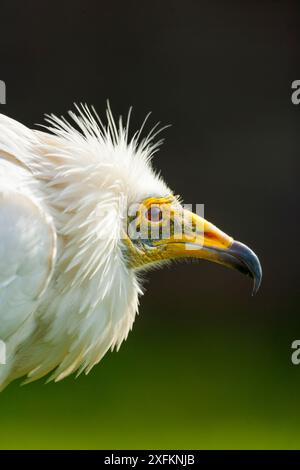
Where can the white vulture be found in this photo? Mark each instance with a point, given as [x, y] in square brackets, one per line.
[72, 247]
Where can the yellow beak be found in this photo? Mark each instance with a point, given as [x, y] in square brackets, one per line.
[198, 238]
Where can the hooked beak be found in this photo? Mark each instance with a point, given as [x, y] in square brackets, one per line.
[240, 257]
[201, 239]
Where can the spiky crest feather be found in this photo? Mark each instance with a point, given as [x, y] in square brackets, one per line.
[80, 173]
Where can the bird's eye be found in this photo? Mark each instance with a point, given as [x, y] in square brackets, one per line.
[154, 214]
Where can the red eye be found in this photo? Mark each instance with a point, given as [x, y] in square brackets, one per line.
[154, 214]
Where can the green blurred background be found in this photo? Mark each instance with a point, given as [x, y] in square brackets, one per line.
[206, 365]
[200, 376]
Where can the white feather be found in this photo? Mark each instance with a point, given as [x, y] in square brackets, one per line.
[60, 197]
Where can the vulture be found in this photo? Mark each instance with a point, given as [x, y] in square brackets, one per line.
[82, 215]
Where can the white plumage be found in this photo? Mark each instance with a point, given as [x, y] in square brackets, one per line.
[67, 290]
[66, 294]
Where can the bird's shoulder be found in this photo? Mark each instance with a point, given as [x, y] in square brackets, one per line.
[27, 247]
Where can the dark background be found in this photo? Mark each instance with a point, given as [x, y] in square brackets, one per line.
[206, 365]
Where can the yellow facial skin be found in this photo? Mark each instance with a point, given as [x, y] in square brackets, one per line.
[167, 231]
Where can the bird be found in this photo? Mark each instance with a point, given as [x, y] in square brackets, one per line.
[83, 215]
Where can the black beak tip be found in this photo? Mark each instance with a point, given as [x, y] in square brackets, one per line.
[257, 280]
[248, 263]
